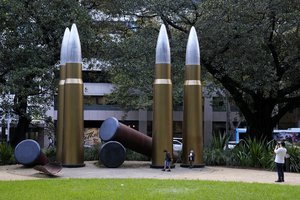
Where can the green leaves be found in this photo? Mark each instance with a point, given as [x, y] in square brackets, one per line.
[254, 153]
[6, 154]
[293, 162]
[30, 38]
[257, 153]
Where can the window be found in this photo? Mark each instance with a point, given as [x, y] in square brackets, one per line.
[218, 104]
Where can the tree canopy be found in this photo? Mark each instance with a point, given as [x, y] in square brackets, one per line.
[250, 47]
[30, 38]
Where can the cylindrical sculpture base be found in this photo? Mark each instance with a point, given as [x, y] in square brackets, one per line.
[28, 153]
[112, 129]
[112, 154]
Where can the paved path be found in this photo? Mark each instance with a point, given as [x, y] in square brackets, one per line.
[132, 169]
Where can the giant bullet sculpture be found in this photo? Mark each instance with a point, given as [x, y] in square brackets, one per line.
[112, 129]
[60, 111]
[192, 104]
[162, 101]
[72, 153]
[112, 154]
[29, 153]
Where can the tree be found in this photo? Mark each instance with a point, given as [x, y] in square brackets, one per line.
[134, 28]
[250, 47]
[31, 33]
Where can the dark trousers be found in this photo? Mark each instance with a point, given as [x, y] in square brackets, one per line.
[279, 167]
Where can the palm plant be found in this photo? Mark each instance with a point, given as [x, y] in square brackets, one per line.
[293, 161]
[6, 154]
[217, 154]
[254, 153]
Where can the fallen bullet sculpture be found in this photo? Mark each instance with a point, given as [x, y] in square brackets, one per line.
[112, 154]
[50, 168]
[112, 129]
[29, 153]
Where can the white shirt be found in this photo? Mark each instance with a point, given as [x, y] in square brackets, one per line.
[280, 154]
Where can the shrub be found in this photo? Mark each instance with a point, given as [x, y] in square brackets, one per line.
[220, 141]
[132, 155]
[6, 154]
[92, 153]
[50, 153]
[254, 153]
[217, 153]
[293, 162]
[216, 156]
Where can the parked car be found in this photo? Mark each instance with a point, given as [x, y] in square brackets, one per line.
[177, 145]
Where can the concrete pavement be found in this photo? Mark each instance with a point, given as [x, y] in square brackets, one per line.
[134, 169]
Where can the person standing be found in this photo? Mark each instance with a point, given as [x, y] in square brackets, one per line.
[280, 152]
[51, 143]
[168, 160]
[191, 158]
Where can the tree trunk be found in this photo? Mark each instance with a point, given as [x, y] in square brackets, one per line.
[20, 132]
[3, 138]
[260, 130]
[261, 124]
[259, 117]
[20, 108]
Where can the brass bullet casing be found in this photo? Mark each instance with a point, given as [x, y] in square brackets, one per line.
[61, 97]
[60, 114]
[162, 133]
[192, 116]
[73, 152]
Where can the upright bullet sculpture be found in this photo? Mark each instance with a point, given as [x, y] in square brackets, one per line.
[73, 153]
[61, 91]
[162, 101]
[192, 104]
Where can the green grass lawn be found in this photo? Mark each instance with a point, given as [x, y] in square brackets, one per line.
[142, 189]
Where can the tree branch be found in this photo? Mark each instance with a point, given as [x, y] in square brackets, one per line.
[272, 47]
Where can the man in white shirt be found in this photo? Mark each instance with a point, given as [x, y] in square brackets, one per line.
[280, 152]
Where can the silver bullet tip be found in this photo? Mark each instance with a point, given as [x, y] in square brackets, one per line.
[64, 47]
[192, 49]
[74, 47]
[163, 47]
